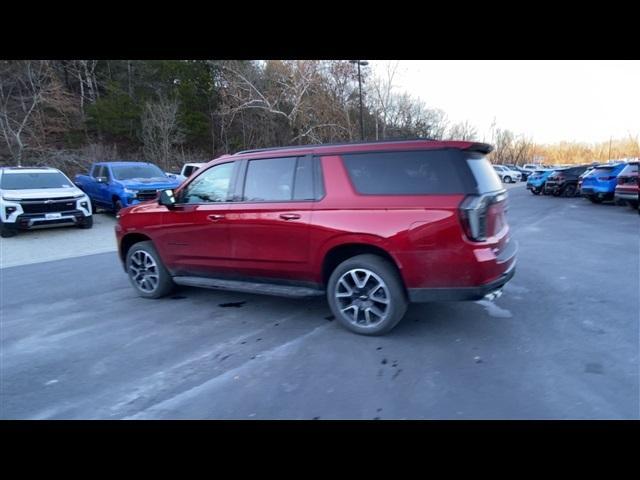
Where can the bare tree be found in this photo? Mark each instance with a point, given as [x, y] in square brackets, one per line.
[22, 89]
[160, 130]
[382, 96]
[283, 92]
[462, 131]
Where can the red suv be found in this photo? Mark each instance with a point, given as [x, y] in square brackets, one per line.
[373, 226]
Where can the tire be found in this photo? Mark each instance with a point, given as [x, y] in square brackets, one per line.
[633, 204]
[137, 256]
[535, 191]
[507, 179]
[94, 207]
[595, 199]
[569, 191]
[117, 206]
[87, 222]
[370, 269]
[7, 232]
[556, 193]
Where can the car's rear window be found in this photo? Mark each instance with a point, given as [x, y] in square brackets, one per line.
[631, 169]
[410, 172]
[487, 179]
[601, 170]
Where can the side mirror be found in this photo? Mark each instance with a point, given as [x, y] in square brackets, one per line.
[167, 198]
[101, 179]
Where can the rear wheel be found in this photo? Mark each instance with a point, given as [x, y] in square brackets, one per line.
[633, 203]
[146, 271]
[569, 191]
[366, 295]
[507, 179]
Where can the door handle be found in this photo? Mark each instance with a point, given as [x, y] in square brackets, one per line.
[215, 217]
[289, 216]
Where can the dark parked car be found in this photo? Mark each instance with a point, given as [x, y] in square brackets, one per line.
[373, 226]
[628, 185]
[564, 181]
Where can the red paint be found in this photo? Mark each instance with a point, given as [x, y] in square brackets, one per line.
[422, 233]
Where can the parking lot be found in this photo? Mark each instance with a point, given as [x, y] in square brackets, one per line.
[561, 343]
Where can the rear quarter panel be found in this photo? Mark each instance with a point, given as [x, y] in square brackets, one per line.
[422, 233]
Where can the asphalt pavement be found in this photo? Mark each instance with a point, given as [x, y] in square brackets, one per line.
[561, 343]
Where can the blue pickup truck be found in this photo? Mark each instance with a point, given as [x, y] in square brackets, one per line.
[115, 185]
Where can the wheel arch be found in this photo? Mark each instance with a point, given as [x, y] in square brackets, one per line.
[338, 253]
[128, 241]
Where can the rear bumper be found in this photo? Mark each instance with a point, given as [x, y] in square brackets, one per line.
[599, 190]
[508, 257]
[632, 196]
[419, 295]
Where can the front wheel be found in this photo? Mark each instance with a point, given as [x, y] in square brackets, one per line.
[86, 222]
[117, 206]
[146, 271]
[507, 179]
[366, 295]
[595, 199]
[535, 191]
[7, 232]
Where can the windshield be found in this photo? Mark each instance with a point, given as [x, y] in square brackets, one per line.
[20, 181]
[127, 172]
[631, 169]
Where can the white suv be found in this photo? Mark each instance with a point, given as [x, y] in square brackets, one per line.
[187, 170]
[40, 196]
[506, 174]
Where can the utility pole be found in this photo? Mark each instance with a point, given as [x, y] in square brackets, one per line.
[364, 63]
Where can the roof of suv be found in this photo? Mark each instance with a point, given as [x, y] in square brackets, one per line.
[386, 145]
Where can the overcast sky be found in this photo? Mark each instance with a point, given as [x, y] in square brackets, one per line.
[549, 101]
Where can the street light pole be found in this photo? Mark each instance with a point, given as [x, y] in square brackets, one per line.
[363, 63]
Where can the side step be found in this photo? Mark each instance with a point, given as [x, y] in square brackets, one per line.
[248, 287]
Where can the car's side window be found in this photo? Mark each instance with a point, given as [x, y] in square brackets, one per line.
[269, 180]
[94, 172]
[211, 186]
[105, 172]
[303, 188]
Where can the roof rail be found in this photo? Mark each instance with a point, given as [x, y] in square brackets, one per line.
[316, 145]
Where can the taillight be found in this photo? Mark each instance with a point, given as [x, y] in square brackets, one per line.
[474, 211]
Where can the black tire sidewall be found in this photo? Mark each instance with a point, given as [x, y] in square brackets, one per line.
[165, 282]
[389, 274]
[7, 232]
[87, 222]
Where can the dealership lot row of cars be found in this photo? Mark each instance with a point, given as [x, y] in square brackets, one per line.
[615, 181]
[43, 196]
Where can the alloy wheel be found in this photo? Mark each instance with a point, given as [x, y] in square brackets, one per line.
[143, 270]
[363, 297]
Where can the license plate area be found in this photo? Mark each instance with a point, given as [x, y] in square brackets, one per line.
[52, 216]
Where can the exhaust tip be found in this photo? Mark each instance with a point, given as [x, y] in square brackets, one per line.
[493, 295]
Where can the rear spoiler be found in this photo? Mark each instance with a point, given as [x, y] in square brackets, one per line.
[480, 147]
